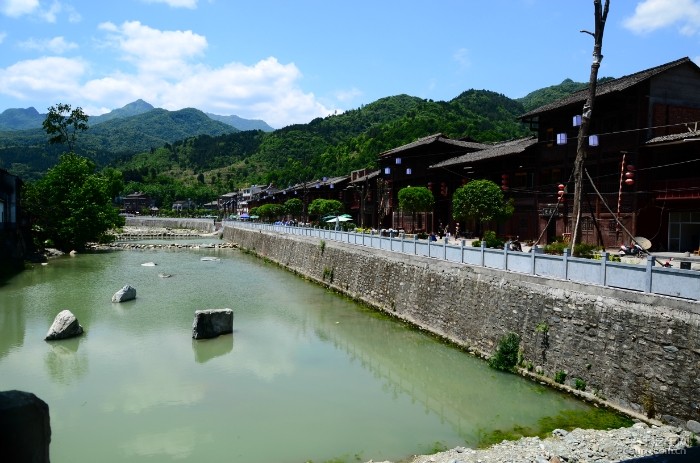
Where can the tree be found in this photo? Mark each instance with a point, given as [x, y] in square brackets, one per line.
[269, 211]
[71, 205]
[294, 207]
[415, 199]
[63, 123]
[601, 15]
[323, 207]
[481, 200]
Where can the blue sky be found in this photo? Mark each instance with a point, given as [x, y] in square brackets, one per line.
[289, 61]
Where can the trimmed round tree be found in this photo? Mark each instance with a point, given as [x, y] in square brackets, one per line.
[415, 199]
[481, 201]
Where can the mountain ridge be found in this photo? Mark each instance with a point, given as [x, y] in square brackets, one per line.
[13, 119]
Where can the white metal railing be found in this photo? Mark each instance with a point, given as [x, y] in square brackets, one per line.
[644, 278]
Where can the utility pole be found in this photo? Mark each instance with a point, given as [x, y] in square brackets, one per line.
[601, 15]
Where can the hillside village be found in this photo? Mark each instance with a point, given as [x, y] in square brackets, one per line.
[642, 163]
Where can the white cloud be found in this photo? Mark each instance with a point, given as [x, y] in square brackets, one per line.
[348, 95]
[461, 57]
[57, 45]
[2, 36]
[153, 51]
[650, 15]
[16, 8]
[48, 13]
[191, 4]
[52, 78]
[166, 73]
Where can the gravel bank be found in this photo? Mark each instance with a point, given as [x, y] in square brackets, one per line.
[577, 446]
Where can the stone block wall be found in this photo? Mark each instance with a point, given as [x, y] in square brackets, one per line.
[205, 225]
[637, 352]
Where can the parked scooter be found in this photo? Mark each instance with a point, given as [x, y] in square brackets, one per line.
[632, 250]
[515, 245]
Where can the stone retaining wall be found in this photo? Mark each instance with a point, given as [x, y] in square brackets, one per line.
[205, 225]
[637, 352]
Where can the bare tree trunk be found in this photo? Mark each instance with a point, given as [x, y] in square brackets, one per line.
[601, 14]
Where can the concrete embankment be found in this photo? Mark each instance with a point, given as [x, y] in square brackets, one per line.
[635, 352]
[204, 225]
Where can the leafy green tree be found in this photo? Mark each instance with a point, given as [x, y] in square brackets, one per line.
[71, 205]
[62, 124]
[323, 207]
[270, 211]
[294, 207]
[481, 200]
[416, 199]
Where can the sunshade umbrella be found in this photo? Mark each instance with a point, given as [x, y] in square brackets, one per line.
[339, 218]
[643, 242]
[245, 216]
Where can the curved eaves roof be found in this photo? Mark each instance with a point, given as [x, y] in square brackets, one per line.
[611, 86]
[495, 151]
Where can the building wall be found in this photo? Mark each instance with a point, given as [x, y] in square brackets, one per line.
[639, 352]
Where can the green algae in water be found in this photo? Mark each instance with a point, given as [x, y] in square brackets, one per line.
[596, 418]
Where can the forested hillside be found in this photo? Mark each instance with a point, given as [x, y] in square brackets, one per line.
[172, 155]
[28, 154]
[329, 146]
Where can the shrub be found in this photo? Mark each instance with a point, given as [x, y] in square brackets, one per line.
[490, 239]
[560, 377]
[506, 356]
[579, 384]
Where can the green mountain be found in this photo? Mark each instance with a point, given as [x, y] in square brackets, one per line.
[188, 145]
[543, 96]
[132, 109]
[21, 119]
[28, 154]
[242, 124]
[334, 145]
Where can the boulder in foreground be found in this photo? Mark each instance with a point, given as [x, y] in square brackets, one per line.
[127, 293]
[212, 323]
[25, 429]
[65, 325]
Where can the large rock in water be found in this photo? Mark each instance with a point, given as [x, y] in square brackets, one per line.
[127, 293]
[212, 323]
[65, 325]
[25, 428]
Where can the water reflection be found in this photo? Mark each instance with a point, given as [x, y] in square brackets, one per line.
[12, 329]
[311, 371]
[63, 362]
[178, 443]
[207, 349]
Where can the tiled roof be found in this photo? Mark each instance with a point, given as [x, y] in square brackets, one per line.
[611, 86]
[493, 151]
[433, 139]
[368, 176]
[692, 135]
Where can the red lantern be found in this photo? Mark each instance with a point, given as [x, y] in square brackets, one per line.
[504, 182]
[629, 175]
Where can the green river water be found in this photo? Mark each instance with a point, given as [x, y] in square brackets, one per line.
[307, 375]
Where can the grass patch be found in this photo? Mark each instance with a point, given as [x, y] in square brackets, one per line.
[595, 418]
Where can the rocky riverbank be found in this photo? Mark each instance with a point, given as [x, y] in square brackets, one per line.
[577, 446]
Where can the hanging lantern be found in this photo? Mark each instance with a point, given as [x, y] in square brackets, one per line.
[629, 181]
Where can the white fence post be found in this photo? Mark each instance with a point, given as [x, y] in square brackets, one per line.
[650, 265]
